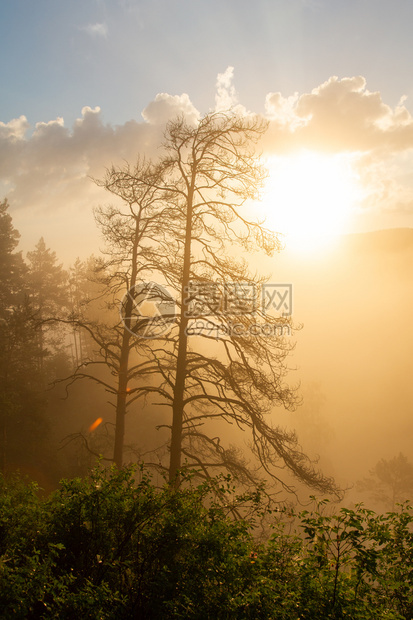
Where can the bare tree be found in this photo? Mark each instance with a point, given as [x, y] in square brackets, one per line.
[221, 358]
[134, 238]
[205, 175]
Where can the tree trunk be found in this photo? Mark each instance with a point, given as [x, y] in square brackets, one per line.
[123, 376]
[179, 388]
[3, 440]
[121, 400]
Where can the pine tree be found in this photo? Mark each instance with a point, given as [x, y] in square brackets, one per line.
[48, 291]
[21, 402]
[12, 267]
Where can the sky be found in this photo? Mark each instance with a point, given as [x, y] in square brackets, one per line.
[91, 83]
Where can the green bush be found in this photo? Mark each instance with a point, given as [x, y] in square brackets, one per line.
[112, 545]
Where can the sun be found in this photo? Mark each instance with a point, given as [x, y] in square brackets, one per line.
[310, 197]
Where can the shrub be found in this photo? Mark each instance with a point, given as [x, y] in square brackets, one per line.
[112, 545]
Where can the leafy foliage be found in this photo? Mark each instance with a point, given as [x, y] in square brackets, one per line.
[113, 545]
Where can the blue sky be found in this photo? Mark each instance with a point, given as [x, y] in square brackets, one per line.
[54, 62]
[96, 65]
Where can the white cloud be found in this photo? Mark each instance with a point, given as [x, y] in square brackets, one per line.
[339, 115]
[99, 29]
[40, 127]
[49, 170]
[15, 129]
[165, 107]
[46, 174]
[345, 116]
[226, 95]
[282, 110]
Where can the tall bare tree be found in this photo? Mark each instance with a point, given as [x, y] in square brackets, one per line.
[205, 175]
[134, 238]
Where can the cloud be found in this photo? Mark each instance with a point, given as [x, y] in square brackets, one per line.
[46, 173]
[54, 159]
[344, 116]
[96, 30]
[282, 110]
[165, 107]
[226, 95]
[340, 115]
[16, 128]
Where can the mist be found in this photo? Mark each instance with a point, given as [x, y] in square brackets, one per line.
[350, 363]
[353, 351]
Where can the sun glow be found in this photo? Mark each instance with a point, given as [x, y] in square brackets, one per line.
[309, 197]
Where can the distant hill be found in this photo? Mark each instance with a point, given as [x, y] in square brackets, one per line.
[387, 240]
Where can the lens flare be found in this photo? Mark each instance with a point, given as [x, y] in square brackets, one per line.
[95, 424]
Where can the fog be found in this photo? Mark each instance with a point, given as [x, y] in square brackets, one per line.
[354, 348]
[351, 365]
[351, 362]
